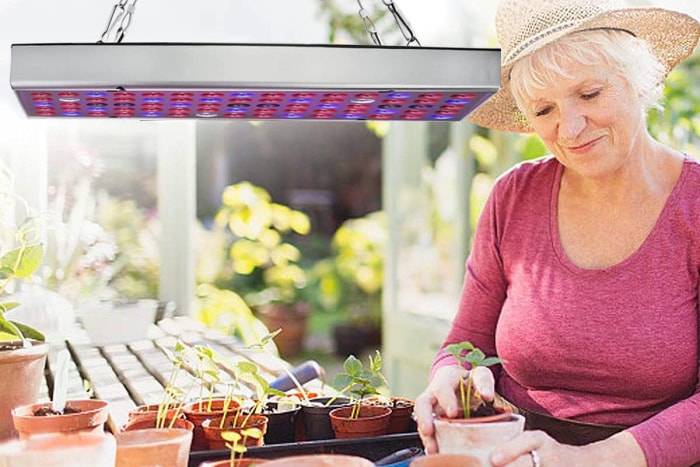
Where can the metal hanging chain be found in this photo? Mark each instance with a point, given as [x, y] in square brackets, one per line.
[402, 23]
[368, 24]
[120, 19]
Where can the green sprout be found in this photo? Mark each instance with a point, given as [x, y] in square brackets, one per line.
[467, 354]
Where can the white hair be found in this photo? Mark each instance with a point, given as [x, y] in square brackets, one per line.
[629, 57]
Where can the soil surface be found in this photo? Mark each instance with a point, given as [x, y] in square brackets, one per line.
[47, 411]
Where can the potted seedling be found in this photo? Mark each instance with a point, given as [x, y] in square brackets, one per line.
[360, 419]
[480, 426]
[236, 443]
[22, 348]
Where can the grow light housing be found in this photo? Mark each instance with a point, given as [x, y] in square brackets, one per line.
[252, 81]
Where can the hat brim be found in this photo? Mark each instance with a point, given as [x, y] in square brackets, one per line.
[672, 36]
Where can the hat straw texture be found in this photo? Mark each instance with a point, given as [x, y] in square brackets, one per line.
[525, 26]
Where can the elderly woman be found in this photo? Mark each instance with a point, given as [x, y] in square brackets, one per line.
[585, 268]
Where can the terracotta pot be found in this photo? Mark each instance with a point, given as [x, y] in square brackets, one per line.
[147, 411]
[291, 319]
[152, 447]
[446, 460]
[245, 462]
[321, 460]
[89, 415]
[317, 423]
[21, 373]
[401, 420]
[474, 437]
[212, 432]
[198, 412]
[149, 421]
[372, 421]
[80, 449]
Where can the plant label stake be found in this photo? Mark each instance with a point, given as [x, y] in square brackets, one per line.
[60, 388]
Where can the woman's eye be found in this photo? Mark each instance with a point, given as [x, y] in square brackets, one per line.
[590, 95]
[543, 111]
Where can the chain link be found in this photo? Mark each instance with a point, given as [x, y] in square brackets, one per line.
[402, 23]
[399, 18]
[368, 24]
[120, 18]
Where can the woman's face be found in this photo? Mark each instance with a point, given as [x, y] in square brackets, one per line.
[591, 123]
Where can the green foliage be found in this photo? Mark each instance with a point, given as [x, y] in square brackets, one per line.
[265, 265]
[21, 254]
[351, 280]
[678, 125]
[468, 355]
[359, 382]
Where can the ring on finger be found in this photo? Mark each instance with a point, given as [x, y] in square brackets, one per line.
[535, 458]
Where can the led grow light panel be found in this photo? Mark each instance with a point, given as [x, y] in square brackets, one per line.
[249, 81]
[253, 105]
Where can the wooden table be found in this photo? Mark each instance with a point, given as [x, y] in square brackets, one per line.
[136, 373]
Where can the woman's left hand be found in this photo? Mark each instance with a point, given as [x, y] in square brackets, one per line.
[536, 448]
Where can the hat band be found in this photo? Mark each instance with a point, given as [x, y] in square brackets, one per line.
[546, 32]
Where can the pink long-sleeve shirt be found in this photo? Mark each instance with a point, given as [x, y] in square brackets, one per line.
[617, 345]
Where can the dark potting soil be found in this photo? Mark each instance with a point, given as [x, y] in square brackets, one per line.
[47, 411]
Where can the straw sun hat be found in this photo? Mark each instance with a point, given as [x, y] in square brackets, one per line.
[524, 26]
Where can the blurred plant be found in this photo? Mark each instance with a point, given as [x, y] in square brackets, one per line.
[264, 265]
[351, 280]
[21, 253]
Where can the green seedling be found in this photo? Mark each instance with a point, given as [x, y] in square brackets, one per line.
[359, 382]
[470, 357]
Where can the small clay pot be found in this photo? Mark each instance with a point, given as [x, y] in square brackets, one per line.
[153, 447]
[446, 460]
[373, 420]
[212, 432]
[245, 462]
[149, 421]
[82, 415]
[148, 411]
[321, 460]
[199, 412]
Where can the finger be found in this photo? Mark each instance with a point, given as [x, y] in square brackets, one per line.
[520, 446]
[484, 382]
[446, 391]
[423, 411]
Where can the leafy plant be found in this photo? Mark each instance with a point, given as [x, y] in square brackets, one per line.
[233, 438]
[265, 264]
[360, 382]
[21, 256]
[468, 355]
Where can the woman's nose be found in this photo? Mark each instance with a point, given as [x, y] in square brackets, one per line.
[572, 122]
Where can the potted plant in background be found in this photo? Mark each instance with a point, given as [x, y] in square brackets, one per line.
[481, 426]
[359, 419]
[348, 284]
[22, 348]
[265, 265]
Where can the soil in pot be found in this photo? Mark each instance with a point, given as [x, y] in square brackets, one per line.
[85, 415]
[372, 421]
[199, 412]
[317, 423]
[213, 429]
[153, 447]
[21, 374]
[476, 437]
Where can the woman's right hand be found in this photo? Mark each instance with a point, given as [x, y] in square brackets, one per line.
[441, 397]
